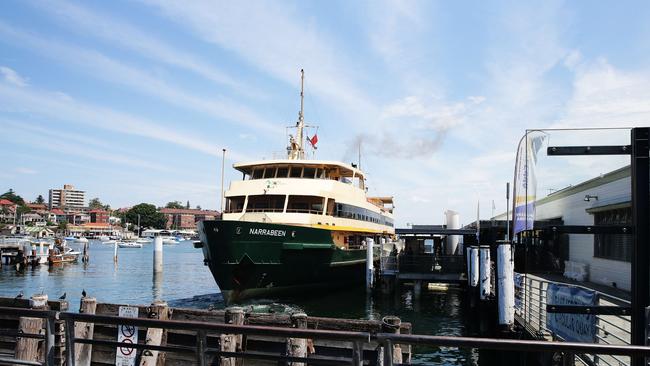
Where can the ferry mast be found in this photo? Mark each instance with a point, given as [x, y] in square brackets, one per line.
[296, 150]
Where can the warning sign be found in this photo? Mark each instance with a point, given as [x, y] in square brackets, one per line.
[125, 356]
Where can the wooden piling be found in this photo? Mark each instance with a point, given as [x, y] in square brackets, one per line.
[31, 349]
[156, 336]
[232, 342]
[391, 324]
[83, 352]
[297, 347]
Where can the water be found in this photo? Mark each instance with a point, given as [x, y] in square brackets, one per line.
[186, 282]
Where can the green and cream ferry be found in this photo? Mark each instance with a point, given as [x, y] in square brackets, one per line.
[294, 224]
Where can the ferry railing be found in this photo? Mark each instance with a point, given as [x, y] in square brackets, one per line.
[201, 351]
[611, 329]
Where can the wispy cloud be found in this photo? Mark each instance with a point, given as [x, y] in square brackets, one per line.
[23, 170]
[72, 144]
[130, 37]
[274, 37]
[110, 70]
[11, 76]
[53, 106]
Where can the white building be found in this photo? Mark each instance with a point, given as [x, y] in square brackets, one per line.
[602, 200]
[67, 198]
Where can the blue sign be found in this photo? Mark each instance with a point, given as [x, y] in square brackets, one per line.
[571, 327]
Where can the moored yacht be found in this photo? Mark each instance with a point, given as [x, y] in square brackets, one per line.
[294, 224]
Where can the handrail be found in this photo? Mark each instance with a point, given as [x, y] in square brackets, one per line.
[385, 340]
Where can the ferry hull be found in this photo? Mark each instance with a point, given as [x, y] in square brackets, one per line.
[250, 259]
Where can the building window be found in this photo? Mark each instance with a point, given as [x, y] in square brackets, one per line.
[613, 246]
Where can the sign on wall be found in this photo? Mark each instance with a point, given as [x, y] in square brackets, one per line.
[571, 327]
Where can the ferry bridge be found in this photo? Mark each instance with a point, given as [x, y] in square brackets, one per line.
[420, 263]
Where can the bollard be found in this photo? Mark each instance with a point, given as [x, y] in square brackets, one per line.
[506, 284]
[370, 267]
[27, 349]
[474, 267]
[115, 252]
[485, 272]
[83, 352]
[157, 254]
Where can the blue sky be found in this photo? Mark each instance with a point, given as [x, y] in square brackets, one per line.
[133, 101]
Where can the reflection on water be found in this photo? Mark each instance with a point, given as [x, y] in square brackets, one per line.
[186, 282]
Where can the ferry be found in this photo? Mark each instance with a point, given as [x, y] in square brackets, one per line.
[294, 224]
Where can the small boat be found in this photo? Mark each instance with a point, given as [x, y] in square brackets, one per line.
[144, 240]
[129, 244]
[110, 242]
[81, 239]
[169, 241]
[61, 253]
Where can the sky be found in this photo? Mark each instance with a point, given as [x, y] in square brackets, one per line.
[133, 101]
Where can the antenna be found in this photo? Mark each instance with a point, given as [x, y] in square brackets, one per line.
[296, 150]
[359, 160]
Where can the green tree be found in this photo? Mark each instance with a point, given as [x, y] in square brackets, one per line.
[40, 200]
[149, 216]
[62, 226]
[95, 204]
[13, 197]
[187, 206]
[174, 204]
[198, 207]
[23, 210]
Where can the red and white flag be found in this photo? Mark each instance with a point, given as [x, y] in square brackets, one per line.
[313, 141]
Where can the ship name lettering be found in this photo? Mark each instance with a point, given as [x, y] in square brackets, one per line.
[255, 231]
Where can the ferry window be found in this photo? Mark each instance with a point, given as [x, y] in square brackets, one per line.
[305, 204]
[257, 173]
[235, 204]
[269, 173]
[282, 172]
[309, 173]
[265, 203]
[296, 171]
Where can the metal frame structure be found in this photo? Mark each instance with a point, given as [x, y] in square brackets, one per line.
[640, 192]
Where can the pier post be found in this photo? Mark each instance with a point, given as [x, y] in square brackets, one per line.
[506, 284]
[85, 257]
[231, 342]
[83, 352]
[115, 252]
[27, 349]
[417, 288]
[474, 263]
[297, 347]
[157, 254]
[391, 324]
[370, 266]
[485, 272]
[156, 336]
[235, 315]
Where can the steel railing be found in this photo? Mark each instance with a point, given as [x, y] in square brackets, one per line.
[611, 329]
[356, 339]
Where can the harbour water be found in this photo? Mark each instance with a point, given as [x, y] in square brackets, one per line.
[186, 282]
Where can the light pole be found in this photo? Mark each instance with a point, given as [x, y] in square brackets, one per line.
[223, 162]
